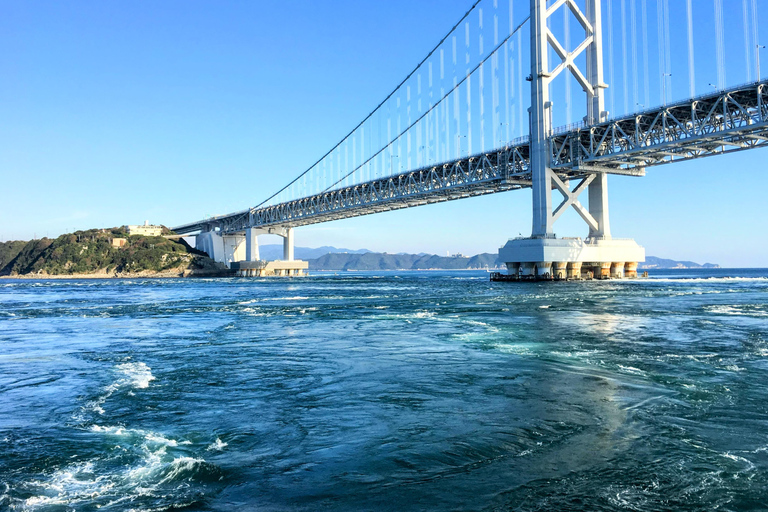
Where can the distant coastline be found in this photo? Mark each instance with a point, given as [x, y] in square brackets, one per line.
[95, 254]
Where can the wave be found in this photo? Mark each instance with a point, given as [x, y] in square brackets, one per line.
[651, 280]
[156, 475]
[754, 310]
[135, 375]
[139, 374]
[217, 445]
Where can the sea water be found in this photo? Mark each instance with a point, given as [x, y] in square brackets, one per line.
[385, 391]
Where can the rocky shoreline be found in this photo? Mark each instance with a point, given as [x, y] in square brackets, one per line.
[167, 274]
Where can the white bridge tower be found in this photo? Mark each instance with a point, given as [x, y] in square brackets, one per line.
[543, 255]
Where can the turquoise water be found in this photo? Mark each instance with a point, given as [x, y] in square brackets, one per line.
[389, 391]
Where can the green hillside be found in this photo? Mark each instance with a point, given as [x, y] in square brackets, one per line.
[92, 251]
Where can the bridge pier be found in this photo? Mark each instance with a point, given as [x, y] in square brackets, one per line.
[599, 255]
[224, 248]
[240, 252]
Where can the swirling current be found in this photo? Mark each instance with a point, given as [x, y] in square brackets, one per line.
[385, 391]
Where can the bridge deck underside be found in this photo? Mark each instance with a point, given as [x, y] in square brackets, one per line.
[732, 120]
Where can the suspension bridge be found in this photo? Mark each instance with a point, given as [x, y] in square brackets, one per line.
[418, 145]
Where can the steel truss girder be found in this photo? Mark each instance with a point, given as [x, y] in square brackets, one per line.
[505, 169]
[733, 120]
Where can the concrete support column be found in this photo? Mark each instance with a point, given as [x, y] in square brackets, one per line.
[234, 248]
[513, 268]
[541, 123]
[527, 270]
[590, 271]
[598, 206]
[630, 269]
[598, 189]
[574, 270]
[543, 268]
[560, 270]
[251, 245]
[617, 269]
[288, 245]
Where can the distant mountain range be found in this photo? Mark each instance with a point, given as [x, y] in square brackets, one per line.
[275, 252]
[654, 262]
[386, 261]
[332, 258]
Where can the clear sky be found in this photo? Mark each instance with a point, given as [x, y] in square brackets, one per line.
[116, 112]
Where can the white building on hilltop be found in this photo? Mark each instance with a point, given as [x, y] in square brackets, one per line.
[147, 229]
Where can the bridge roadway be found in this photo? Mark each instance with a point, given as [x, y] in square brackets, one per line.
[732, 120]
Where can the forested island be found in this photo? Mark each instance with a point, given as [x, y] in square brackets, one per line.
[104, 253]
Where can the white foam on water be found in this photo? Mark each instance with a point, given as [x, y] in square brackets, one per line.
[737, 458]
[179, 466]
[255, 312]
[139, 374]
[70, 485]
[652, 280]
[150, 438]
[737, 310]
[522, 349]
[117, 431]
[632, 369]
[217, 445]
[98, 482]
[136, 375]
[159, 439]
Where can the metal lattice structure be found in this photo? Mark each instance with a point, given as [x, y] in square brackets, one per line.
[709, 125]
[732, 120]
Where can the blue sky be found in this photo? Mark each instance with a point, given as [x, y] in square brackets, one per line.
[117, 112]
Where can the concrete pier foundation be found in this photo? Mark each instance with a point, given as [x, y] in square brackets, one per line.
[282, 268]
[571, 258]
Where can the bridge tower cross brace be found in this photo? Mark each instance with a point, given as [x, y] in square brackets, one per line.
[543, 177]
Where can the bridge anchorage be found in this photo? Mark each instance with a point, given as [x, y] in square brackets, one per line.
[543, 256]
